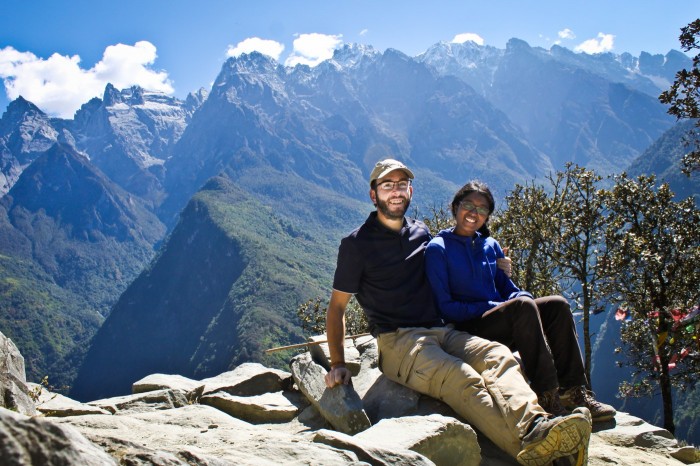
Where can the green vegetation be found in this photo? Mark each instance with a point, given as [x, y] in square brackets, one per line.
[70, 243]
[656, 242]
[564, 246]
[632, 246]
[54, 293]
[46, 322]
[684, 94]
[312, 315]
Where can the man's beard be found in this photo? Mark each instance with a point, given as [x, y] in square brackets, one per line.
[383, 207]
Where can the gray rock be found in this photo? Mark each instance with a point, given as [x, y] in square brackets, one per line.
[33, 440]
[340, 406]
[11, 360]
[321, 355]
[258, 409]
[14, 392]
[148, 401]
[56, 405]
[160, 426]
[155, 382]
[198, 431]
[634, 432]
[444, 440]
[383, 398]
[15, 395]
[370, 452]
[365, 343]
[685, 454]
[248, 379]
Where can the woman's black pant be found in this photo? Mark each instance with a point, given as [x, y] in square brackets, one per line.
[543, 331]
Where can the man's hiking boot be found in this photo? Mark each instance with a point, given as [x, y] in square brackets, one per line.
[551, 438]
[582, 397]
[551, 402]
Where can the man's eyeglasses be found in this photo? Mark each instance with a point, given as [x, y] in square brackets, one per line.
[471, 207]
[391, 185]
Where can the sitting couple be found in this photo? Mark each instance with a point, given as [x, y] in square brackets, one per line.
[383, 263]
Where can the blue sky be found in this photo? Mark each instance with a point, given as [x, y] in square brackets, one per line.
[59, 54]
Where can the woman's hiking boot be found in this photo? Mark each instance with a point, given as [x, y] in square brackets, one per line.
[582, 397]
[551, 402]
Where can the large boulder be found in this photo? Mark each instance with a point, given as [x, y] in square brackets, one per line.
[14, 392]
[340, 405]
[248, 379]
[258, 409]
[443, 440]
[36, 441]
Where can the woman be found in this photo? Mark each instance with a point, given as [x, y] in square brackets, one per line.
[478, 297]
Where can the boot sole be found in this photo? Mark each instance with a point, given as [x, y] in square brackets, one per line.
[567, 438]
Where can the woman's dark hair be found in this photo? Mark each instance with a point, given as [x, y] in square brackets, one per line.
[475, 186]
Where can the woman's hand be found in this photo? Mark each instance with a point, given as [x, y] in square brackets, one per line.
[505, 264]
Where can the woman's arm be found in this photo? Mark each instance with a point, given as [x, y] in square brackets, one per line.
[452, 310]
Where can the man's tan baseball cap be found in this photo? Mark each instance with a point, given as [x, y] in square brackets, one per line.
[383, 167]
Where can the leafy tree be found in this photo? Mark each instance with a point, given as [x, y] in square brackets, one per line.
[578, 218]
[684, 94]
[653, 246]
[312, 315]
[440, 219]
[525, 227]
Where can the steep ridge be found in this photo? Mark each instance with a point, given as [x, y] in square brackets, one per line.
[663, 159]
[328, 125]
[129, 134]
[597, 110]
[71, 242]
[25, 132]
[225, 284]
[573, 114]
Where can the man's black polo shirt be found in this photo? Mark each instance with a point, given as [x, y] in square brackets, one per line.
[386, 273]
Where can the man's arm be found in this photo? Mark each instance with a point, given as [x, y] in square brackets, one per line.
[335, 333]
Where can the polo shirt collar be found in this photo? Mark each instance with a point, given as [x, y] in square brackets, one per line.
[374, 221]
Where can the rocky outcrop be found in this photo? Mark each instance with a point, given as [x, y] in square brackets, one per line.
[254, 415]
[14, 393]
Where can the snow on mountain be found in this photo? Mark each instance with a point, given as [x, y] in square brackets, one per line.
[477, 64]
[25, 132]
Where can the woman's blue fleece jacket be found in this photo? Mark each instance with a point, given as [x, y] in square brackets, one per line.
[463, 274]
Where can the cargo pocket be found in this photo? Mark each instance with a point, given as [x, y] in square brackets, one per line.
[397, 355]
[419, 369]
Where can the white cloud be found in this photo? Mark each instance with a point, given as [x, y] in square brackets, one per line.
[59, 86]
[267, 47]
[468, 36]
[566, 34]
[364, 32]
[312, 49]
[602, 43]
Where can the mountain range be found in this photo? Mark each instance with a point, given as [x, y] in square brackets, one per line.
[151, 234]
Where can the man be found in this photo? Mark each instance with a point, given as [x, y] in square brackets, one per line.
[381, 262]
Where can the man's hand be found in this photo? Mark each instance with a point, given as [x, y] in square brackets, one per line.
[335, 331]
[505, 264]
[338, 375]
